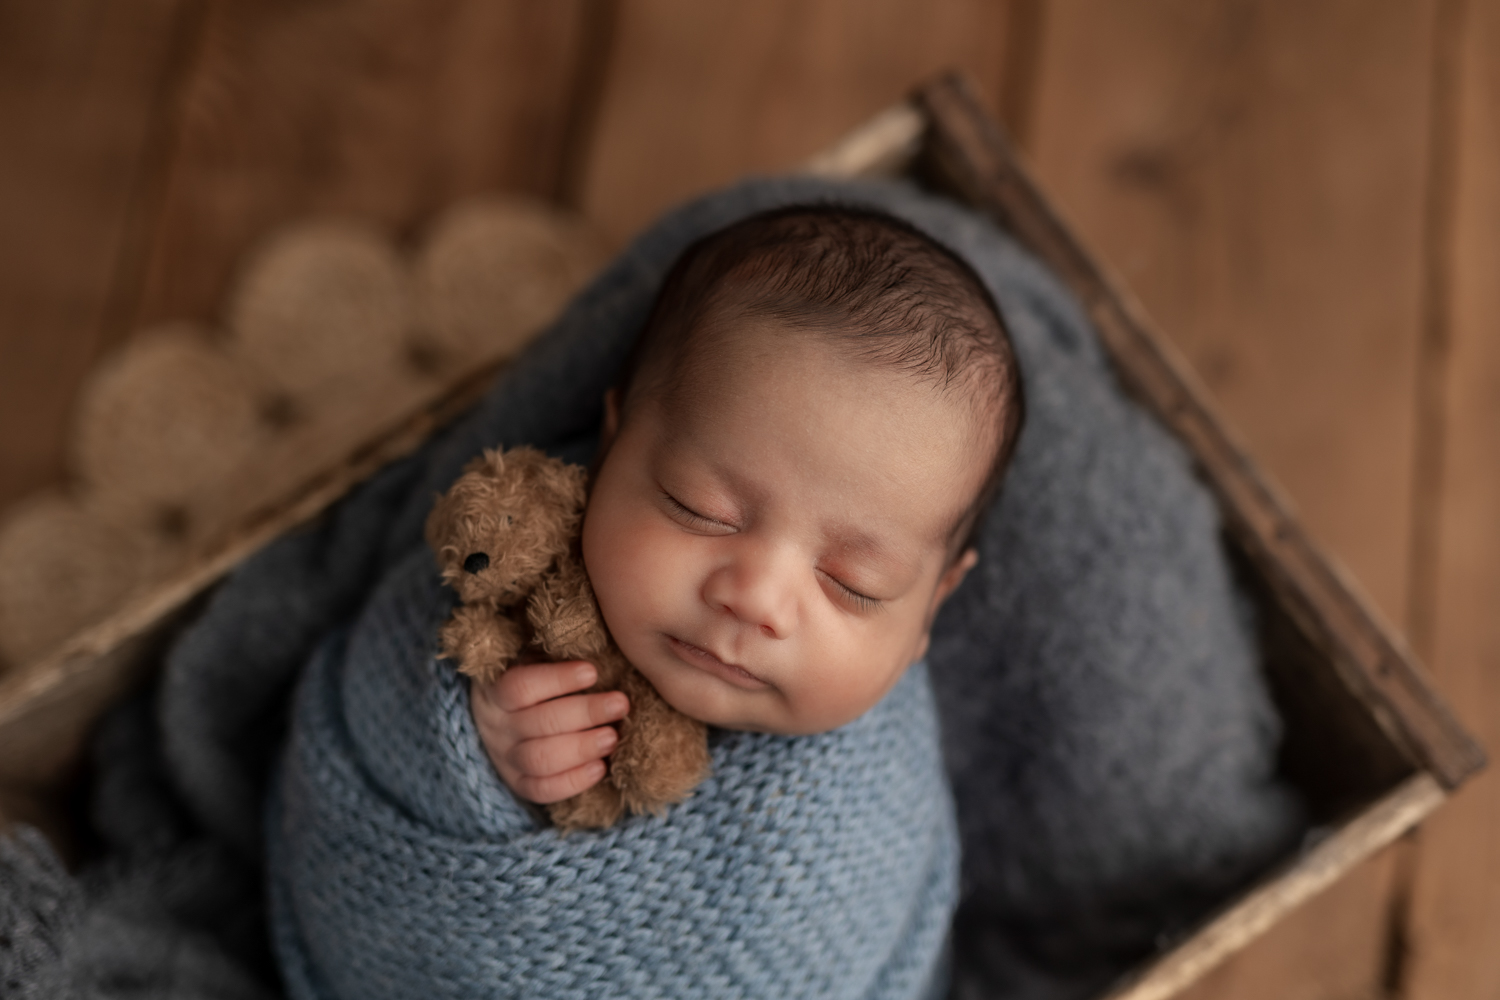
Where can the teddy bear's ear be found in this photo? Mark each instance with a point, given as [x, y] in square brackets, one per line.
[553, 482]
[453, 512]
[490, 462]
[563, 485]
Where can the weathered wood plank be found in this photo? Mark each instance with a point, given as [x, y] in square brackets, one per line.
[387, 111]
[80, 87]
[698, 94]
[1257, 174]
[1455, 915]
[1264, 906]
[1330, 949]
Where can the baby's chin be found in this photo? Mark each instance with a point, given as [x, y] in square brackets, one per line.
[716, 704]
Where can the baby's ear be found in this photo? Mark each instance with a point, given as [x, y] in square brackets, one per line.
[946, 585]
[952, 577]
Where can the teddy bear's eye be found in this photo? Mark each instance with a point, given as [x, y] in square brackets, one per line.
[476, 562]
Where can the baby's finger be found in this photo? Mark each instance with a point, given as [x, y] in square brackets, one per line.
[533, 683]
[557, 787]
[569, 715]
[552, 755]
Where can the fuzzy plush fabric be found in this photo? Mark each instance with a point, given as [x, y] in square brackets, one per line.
[1106, 733]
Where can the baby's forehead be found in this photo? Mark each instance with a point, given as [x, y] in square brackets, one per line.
[849, 404]
[728, 344]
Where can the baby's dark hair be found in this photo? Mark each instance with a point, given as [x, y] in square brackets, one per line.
[883, 291]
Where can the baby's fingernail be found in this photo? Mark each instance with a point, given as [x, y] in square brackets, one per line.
[584, 673]
[606, 740]
[618, 704]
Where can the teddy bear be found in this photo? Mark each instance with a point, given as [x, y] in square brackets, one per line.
[506, 536]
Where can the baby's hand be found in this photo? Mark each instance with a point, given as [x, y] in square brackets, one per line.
[547, 747]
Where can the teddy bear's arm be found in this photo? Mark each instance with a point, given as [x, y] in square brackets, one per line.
[482, 641]
[564, 615]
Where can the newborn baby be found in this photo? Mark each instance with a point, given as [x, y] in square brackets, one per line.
[789, 475]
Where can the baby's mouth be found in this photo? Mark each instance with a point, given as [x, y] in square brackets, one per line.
[701, 658]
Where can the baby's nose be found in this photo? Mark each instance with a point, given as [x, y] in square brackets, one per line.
[756, 589]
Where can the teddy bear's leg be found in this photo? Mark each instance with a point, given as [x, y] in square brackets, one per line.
[483, 641]
[662, 755]
[592, 809]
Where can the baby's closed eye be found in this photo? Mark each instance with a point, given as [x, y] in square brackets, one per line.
[861, 601]
[689, 517]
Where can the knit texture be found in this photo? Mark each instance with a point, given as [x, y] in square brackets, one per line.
[822, 866]
[1105, 729]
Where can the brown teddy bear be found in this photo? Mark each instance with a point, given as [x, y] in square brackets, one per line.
[506, 537]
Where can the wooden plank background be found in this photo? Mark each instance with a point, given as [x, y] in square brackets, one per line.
[1305, 196]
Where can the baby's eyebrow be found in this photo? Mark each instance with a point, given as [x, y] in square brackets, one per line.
[855, 541]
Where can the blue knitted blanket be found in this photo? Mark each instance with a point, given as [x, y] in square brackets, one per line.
[1104, 727]
[822, 866]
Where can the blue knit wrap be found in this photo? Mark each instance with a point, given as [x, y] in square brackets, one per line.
[816, 866]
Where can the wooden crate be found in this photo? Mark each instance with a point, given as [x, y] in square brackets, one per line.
[1369, 742]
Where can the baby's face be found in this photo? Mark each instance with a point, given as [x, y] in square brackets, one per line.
[770, 549]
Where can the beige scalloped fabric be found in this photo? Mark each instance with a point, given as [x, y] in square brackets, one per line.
[332, 332]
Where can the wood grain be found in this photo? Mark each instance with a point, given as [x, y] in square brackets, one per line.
[699, 94]
[386, 110]
[1257, 174]
[80, 87]
[1455, 917]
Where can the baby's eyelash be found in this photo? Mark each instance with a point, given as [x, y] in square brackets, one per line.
[687, 513]
[862, 601]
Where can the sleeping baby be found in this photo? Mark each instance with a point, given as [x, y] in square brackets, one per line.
[789, 477]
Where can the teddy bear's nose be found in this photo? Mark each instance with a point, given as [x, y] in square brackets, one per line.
[475, 562]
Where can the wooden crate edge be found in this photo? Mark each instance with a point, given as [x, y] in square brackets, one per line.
[100, 648]
[968, 148]
[1315, 870]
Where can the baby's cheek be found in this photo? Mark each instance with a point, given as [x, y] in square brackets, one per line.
[846, 676]
[620, 560]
